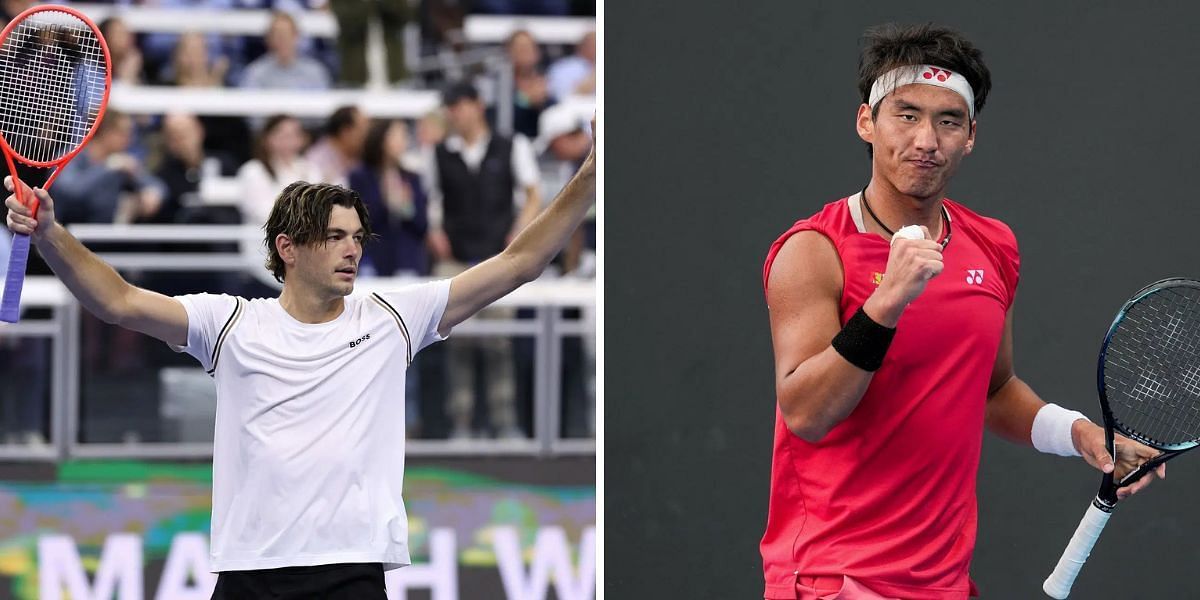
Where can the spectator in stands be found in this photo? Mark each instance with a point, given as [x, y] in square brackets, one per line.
[473, 216]
[12, 8]
[340, 149]
[183, 166]
[158, 49]
[123, 50]
[283, 66]
[127, 69]
[575, 75]
[431, 130]
[532, 93]
[563, 145]
[277, 162]
[396, 202]
[457, 163]
[442, 26]
[106, 184]
[191, 65]
[353, 16]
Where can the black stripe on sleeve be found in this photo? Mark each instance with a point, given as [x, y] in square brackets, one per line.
[233, 318]
[399, 321]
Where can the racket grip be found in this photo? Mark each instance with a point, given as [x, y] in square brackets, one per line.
[10, 304]
[1058, 584]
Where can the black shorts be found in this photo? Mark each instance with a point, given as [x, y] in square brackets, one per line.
[333, 582]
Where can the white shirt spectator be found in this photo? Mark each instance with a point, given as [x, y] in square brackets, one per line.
[260, 189]
[267, 72]
[566, 74]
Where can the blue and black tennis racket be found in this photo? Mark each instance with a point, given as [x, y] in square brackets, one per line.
[1149, 381]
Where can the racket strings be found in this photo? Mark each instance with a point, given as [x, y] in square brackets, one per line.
[1152, 368]
[52, 78]
[1158, 402]
[44, 122]
[1160, 397]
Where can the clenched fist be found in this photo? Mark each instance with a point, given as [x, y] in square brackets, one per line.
[911, 264]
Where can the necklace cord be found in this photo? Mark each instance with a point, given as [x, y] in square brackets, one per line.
[945, 219]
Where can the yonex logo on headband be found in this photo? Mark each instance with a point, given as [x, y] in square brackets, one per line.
[925, 75]
[940, 74]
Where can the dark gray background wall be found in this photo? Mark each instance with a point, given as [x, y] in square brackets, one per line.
[726, 121]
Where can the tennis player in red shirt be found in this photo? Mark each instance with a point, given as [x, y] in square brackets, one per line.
[878, 434]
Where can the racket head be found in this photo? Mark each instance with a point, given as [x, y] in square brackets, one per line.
[1149, 367]
[55, 77]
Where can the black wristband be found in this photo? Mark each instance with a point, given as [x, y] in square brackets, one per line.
[863, 342]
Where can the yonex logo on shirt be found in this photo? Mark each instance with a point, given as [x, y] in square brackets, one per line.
[974, 276]
[360, 340]
[877, 278]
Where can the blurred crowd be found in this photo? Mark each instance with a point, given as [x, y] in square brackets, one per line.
[443, 191]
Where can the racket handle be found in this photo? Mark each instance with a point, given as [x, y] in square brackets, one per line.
[10, 305]
[1058, 584]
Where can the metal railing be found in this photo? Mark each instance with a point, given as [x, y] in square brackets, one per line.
[477, 29]
[547, 298]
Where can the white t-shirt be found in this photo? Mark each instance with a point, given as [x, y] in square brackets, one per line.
[308, 456]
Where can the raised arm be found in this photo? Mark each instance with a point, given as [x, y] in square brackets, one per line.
[100, 289]
[816, 386]
[528, 254]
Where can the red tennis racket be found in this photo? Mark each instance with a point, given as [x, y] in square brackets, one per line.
[55, 73]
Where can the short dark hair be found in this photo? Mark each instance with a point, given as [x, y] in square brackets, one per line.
[341, 120]
[302, 211]
[889, 46]
[459, 90]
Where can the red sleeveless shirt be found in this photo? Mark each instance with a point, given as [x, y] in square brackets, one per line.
[888, 495]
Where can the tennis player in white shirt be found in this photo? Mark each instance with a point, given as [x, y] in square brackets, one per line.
[308, 458]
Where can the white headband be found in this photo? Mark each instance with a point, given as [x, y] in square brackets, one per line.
[925, 74]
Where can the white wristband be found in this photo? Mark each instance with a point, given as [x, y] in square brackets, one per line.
[1052, 430]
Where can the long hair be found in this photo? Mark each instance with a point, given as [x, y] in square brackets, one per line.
[302, 211]
[260, 142]
[374, 155]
